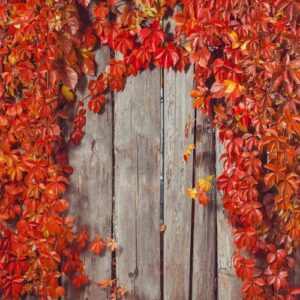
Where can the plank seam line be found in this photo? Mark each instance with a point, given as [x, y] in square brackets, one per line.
[193, 211]
[136, 219]
[216, 217]
[162, 179]
[113, 163]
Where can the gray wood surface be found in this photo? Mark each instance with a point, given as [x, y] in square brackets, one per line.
[228, 284]
[90, 190]
[204, 254]
[177, 178]
[129, 137]
[137, 185]
[297, 270]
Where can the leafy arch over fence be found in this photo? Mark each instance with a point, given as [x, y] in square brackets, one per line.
[247, 75]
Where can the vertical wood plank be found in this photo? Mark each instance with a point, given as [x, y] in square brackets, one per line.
[137, 185]
[229, 286]
[177, 178]
[296, 274]
[205, 227]
[90, 190]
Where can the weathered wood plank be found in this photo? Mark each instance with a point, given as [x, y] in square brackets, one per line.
[228, 283]
[178, 176]
[205, 227]
[90, 191]
[297, 270]
[137, 185]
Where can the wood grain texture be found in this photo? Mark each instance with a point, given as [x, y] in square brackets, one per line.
[137, 186]
[178, 176]
[205, 227]
[228, 284]
[296, 275]
[90, 191]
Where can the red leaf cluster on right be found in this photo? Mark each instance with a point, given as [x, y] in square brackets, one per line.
[246, 59]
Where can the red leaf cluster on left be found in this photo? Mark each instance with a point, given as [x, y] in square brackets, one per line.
[42, 55]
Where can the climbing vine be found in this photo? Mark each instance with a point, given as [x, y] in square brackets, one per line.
[246, 58]
[42, 54]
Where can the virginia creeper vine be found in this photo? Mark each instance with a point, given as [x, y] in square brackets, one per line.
[249, 49]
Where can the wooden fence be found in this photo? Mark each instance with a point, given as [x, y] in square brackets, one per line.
[129, 178]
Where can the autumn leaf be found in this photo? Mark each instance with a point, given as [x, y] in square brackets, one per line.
[277, 278]
[97, 246]
[188, 152]
[162, 228]
[205, 184]
[187, 127]
[69, 77]
[231, 86]
[123, 42]
[79, 280]
[191, 192]
[67, 93]
[106, 283]
[111, 244]
[245, 237]
[202, 198]
[121, 291]
[12, 286]
[152, 36]
[82, 238]
[234, 39]
[198, 102]
[244, 267]
[96, 103]
[244, 56]
[166, 56]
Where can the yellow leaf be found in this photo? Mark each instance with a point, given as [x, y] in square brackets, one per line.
[235, 39]
[149, 11]
[188, 48]
[191, 192]
[205, 184]
[11, 59]
[244, 45]
[235, 45]
[209, 177]
[230, 86]
[233, 36]
[67, 93]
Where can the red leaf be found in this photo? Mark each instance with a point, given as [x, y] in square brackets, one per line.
[152, 36]
[79, 280]
[166, 56]
[246, 237]
[12, 286]
[96, 103]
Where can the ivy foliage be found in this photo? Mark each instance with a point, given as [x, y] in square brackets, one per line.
[248, 49]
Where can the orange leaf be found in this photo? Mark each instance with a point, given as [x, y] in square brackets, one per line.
[188, 152]
[162, 228]
[97, 246]
[106, 283]
[191, 192]
[79, 280]
[111, 244]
